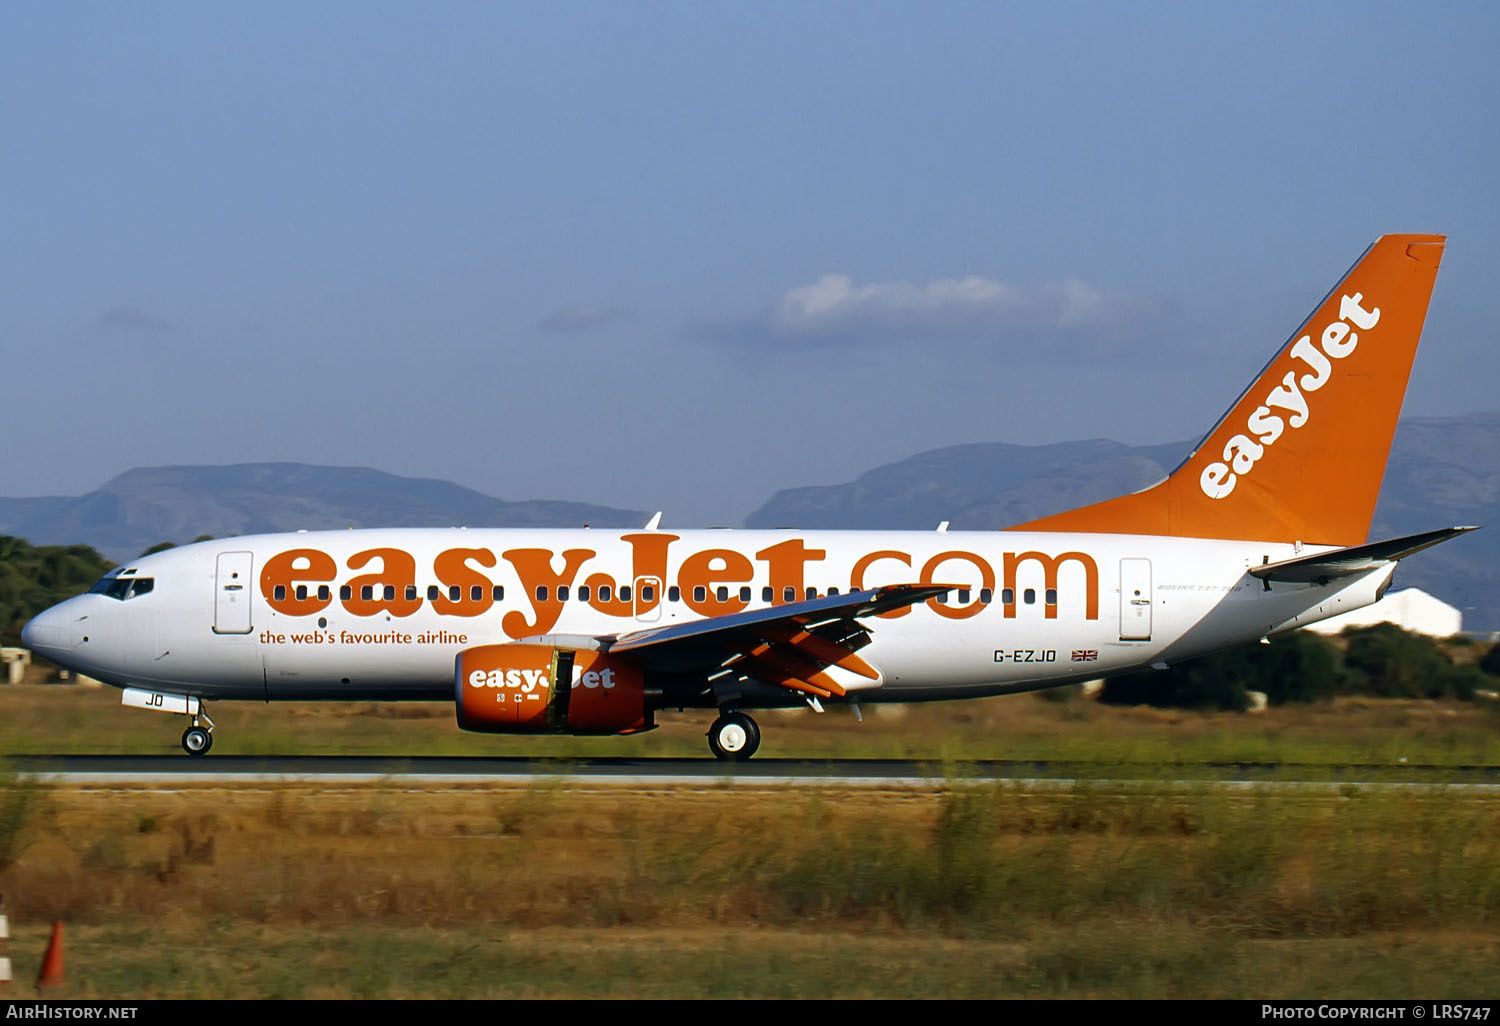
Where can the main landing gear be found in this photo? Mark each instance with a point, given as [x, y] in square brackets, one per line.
[734, 737]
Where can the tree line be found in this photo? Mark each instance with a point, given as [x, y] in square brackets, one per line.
[33, 577]
[1381, 660]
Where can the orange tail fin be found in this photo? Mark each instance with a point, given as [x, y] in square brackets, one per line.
[1301, 453]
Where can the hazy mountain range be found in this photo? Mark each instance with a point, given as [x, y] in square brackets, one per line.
[142, 507]
[1443, 471]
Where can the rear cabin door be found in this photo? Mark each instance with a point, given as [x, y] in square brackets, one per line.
[232, 593]
[1135, 600]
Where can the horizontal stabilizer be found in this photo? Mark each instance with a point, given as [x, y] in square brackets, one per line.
[1355, 559]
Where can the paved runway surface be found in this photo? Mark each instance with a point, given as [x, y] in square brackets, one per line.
[178, 769]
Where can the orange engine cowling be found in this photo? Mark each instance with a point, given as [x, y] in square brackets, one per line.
[513, 689]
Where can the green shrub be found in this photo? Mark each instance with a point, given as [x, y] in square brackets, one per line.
[1386, 661]
[1295, 667]
[1491, 662]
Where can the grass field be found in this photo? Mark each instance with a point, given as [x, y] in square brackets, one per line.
[958, 890]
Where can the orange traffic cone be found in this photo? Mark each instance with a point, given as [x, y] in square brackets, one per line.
[4, 949]
[52, 969]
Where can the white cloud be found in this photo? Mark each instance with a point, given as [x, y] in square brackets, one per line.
[834, 309]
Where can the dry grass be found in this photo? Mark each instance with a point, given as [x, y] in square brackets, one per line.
[549, 890]
[958, 891]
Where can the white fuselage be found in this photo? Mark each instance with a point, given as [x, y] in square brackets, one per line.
[378, 614]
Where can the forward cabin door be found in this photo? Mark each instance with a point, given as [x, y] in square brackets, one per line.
[646, 599]
[1135, 600]
[232, 593]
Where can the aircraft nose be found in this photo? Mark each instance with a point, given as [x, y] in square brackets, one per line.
[53, 632]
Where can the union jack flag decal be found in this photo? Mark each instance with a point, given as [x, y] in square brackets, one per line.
[1085, 655]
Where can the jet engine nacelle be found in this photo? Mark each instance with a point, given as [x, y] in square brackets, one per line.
[537, 689]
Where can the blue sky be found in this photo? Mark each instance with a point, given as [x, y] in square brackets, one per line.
[679, 255]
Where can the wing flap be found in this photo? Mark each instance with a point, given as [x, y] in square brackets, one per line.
[810, 613]
[793, 645]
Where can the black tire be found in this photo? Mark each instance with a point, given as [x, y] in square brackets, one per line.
[197, 741]
[734, 737]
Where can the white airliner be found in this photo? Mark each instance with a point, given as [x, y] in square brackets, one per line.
[1261, 529]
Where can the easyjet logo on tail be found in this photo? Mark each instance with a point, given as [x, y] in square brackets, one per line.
[1267, 423]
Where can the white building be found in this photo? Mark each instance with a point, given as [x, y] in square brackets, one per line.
[1411, 610]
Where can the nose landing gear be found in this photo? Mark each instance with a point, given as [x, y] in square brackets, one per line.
[198, 740]
[734, 737]
[199, 737]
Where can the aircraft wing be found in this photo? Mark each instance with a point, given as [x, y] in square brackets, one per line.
[1354, 559]
[790, 645]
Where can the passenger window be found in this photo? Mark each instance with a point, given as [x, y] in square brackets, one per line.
[700, 593]
[1030, 596]
[301, 592]
[986, 595]
[345, 593]
[765, 594]
[833, 591]
[744, 594]
[411, 592]
[583, 593]
[1008, 596]
[324, 594]
[963, 596]
[280, 592]
[624, 593]
[648, 593]
[476, 593]
[541, 593]
[454, 593]
[674, 594]
[389, 592]
[499, 592]
[562, 593]
[433, 593]
[604, 592]
[722, 594]
[367, 592]
[789, 594]
[812, 593]
[1051, 596]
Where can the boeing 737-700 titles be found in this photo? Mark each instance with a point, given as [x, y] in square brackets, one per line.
[1261, 529]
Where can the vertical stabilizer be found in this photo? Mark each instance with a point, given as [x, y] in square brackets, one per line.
[1301, 454]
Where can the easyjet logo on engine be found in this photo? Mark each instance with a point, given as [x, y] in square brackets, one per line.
[1265, 425]
[525, 681]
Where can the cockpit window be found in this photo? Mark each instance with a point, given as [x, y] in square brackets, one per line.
[123, 588]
